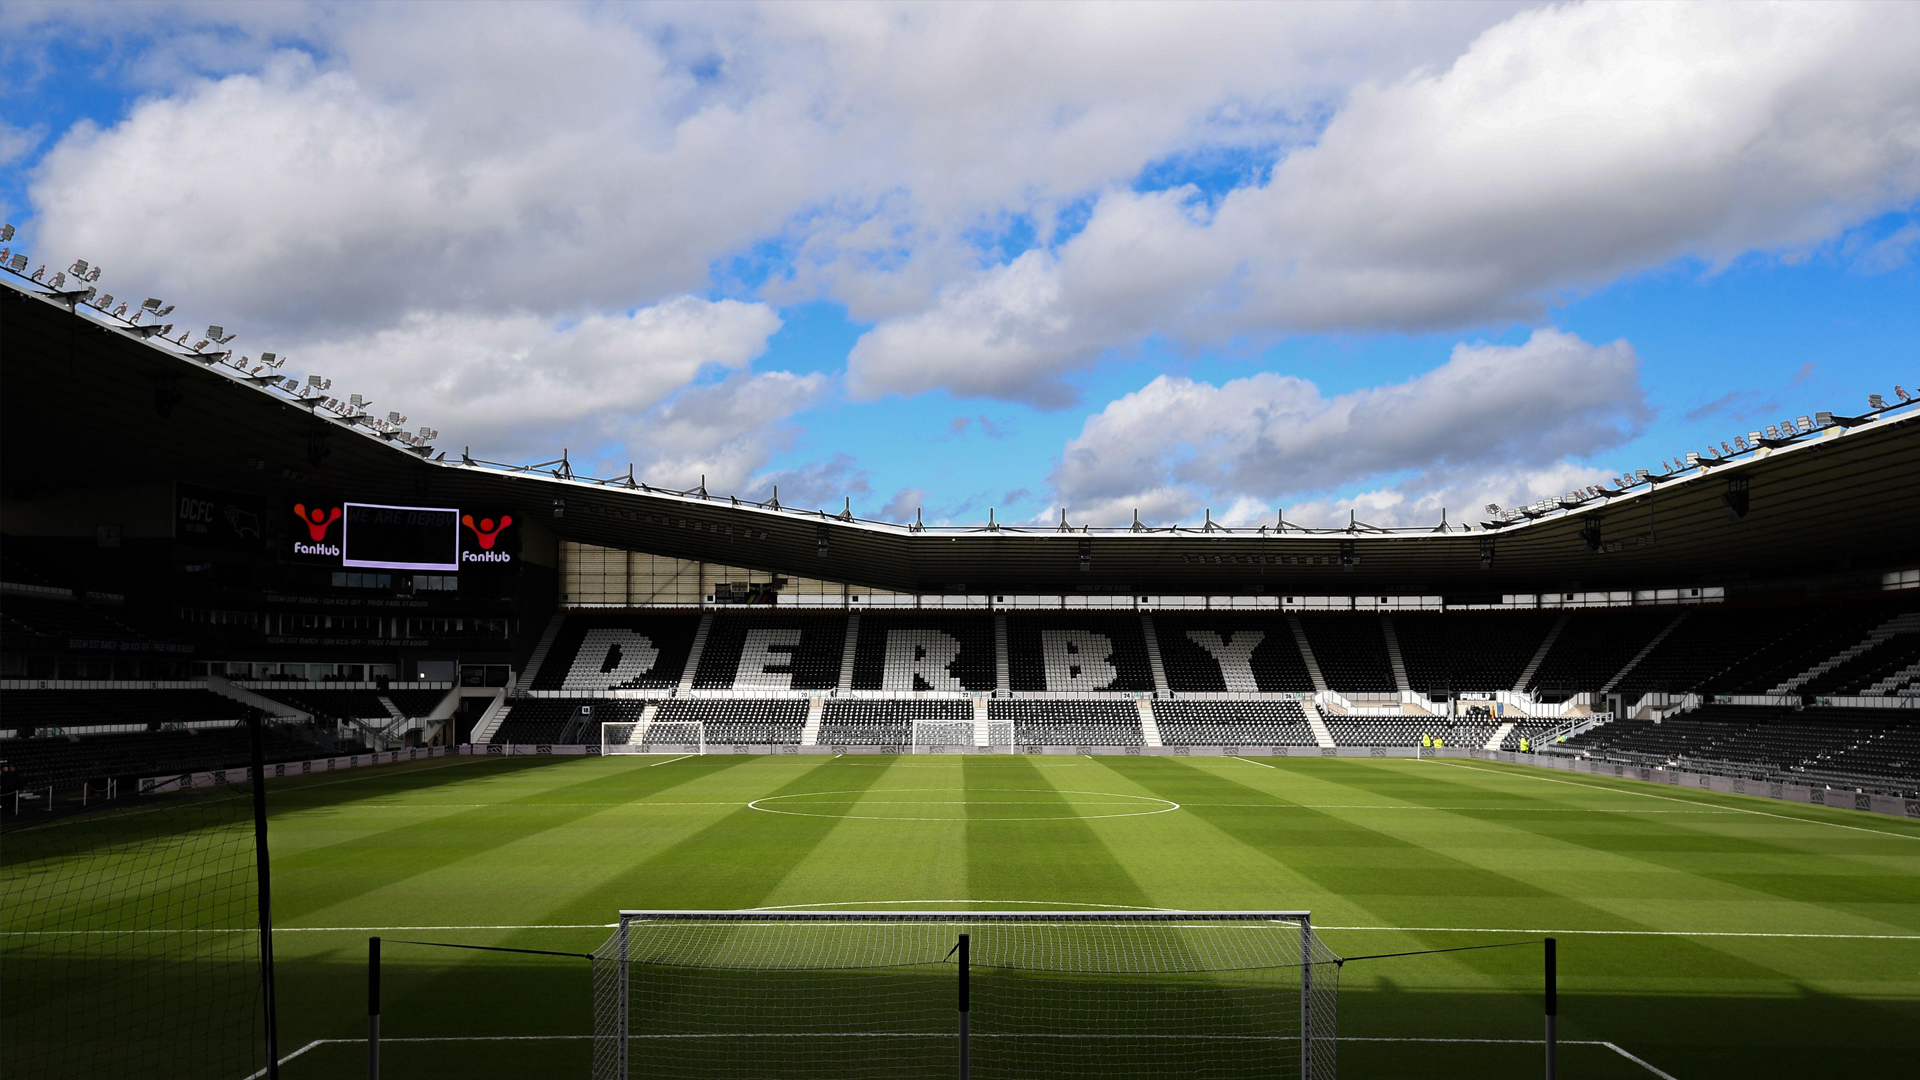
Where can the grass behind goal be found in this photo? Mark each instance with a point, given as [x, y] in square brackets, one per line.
[719, 995]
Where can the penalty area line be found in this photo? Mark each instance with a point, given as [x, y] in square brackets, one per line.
[671, 760]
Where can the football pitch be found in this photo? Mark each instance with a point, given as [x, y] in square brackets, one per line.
[1700, 935]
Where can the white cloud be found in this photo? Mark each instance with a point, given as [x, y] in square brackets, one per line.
[1452, 432]
[1567, 146]
[725, 432]
[520, 383]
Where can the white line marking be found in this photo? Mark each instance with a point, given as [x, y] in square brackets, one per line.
[1168, 808]
[1691, 802]
[1661, 1073]
[1629, 933]
[671, 760]
[297, 1053]
[1250, 761]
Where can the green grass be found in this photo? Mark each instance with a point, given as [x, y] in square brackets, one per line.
[1390, 855]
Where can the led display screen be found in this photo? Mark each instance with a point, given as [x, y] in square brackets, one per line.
[400, 537]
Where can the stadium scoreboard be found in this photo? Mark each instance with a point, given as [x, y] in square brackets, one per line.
[400, 537]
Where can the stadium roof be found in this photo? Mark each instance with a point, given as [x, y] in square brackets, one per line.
[88, 401]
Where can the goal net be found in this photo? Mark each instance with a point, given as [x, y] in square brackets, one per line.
[941, 736]
[844, 995]
[654, 737]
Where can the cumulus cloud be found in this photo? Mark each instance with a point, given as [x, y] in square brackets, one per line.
[726, 431]
[1166, 447]
[519, 382]
[1565, 147]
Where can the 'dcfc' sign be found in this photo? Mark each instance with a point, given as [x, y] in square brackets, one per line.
[488, 541]
[205, 517]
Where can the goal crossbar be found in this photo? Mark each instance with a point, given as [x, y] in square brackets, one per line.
[1029, 994]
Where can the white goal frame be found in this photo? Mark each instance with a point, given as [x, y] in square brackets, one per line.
[653, 737]
[930, 736]
[614, 962]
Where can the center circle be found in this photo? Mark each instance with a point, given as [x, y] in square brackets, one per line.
[959, 804]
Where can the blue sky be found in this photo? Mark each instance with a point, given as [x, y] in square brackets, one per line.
[1174, 258]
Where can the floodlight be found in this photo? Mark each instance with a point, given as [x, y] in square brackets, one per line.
[313, 380]
[1902, 391]
[42, 270]
[1773, 432]
[1493, 508]
[1740, 442]
[6, 233]
[267, 358]
[429, 433]
[358, 401]
[105, 301]
[1728, 450]
[1876, 401]
[198, 345]
[94, 274]
[1693, 460]
[79, 268]
[1803, 423]
[17, 263]
[59, 279]
[151, 303]
[119, 312]
[163, 312]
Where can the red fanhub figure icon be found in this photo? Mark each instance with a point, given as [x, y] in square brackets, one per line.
[486, 532]
[317, 521]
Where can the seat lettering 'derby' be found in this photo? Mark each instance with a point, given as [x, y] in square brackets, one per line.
[920, 660]
[1077, 660]
[1234, 653]
[766, 659]
[611, 657]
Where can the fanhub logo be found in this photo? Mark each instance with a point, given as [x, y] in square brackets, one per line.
[317, 521]
[486, 532]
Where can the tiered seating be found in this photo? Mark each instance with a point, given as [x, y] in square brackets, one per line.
[1834, 629]
[49, 617]
[597, 651]
[363, 704]
[741, 722]
[1709, 642]
[1892, 753]
[416, 702]
[885, 723]
[1468, 651]
[1070, 723]
[1406, 731]
[35, 709]
[1232, 723]
[1594, 646]
[1890, 661]
[773, 650]
[1188, 645]
[539, 720]
[1817, 745]
[1077, 652]
[928, 651]
[62, 761]
[1351, 651]
[1528, 729]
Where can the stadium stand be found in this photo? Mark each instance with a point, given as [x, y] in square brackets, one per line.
[364, 704]
[924, 651]
[1351, 651]
[1846, 746]
[1073, 653]
[1832, 631]
[772, 650]
[741, 722]
[1594, 646]
[1471, 651]
[562, 720]
[1070, 723]
[885, 723]
[1199, 651]
[1407, 730]
[54, 618]
[73, 759]
[597, 651]
[415, 702]
[1232, 723]
[38, 710]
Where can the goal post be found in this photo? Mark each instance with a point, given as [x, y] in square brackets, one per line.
[724, 994]
[653, 737]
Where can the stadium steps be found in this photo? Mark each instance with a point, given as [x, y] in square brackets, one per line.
[847, 650]
[539, 654]
[1002, 680]
[1899, 624]
[817, 707]
[1153, 657]
[219, 685]
[982, 723]
[1499, 736]
[1644, 651]
[1321, 736]
[693, 654]
[1394, 660]
[1313, 668]
[1893, 682]
[392, 709]
[1149, 727]
[489, 722]
[1540, 654]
